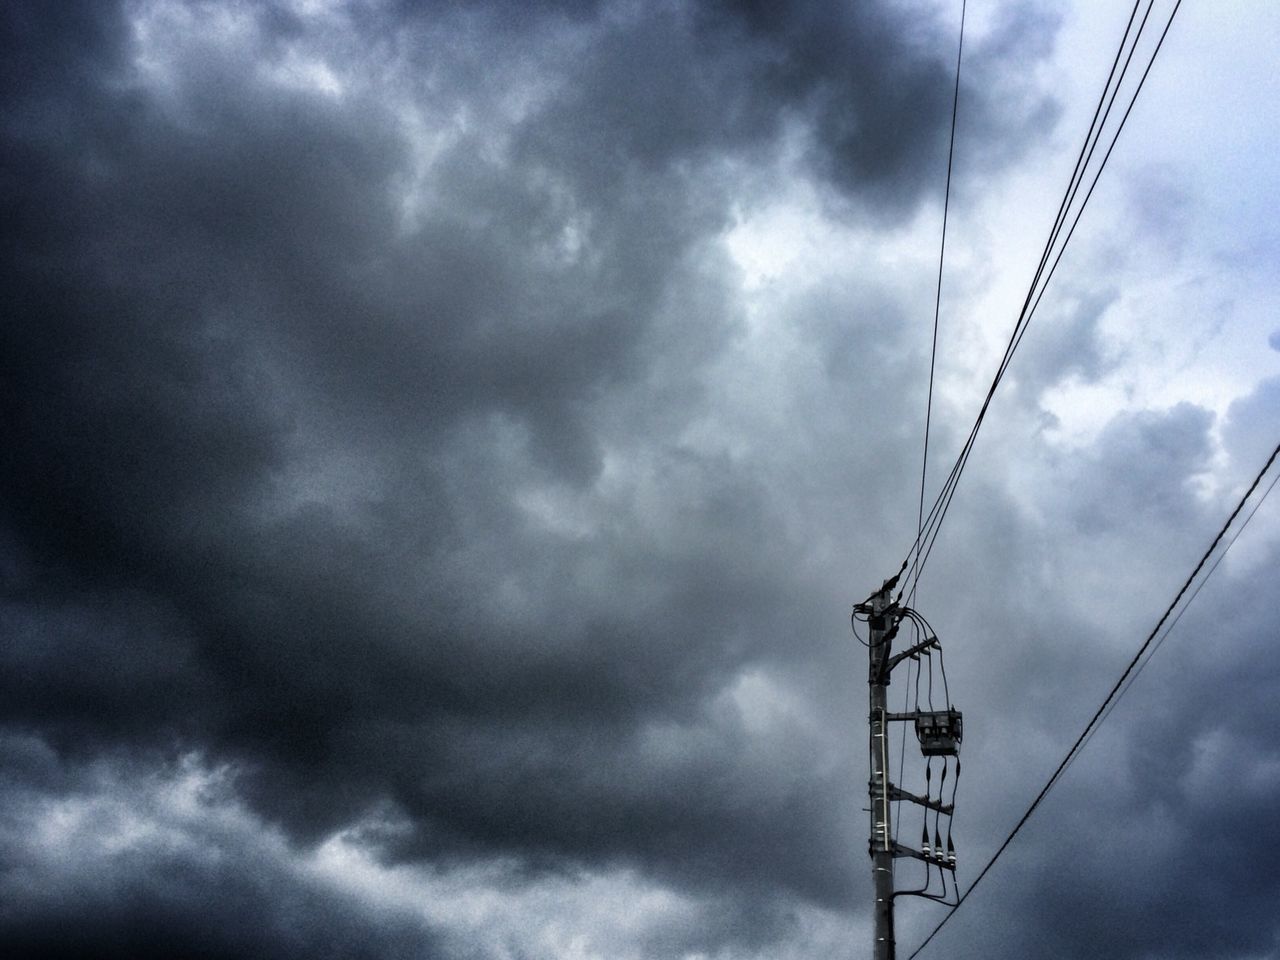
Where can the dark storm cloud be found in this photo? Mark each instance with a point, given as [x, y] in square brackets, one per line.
[1138, 827]
[1154, 842]
[172, 907]
[369, 474]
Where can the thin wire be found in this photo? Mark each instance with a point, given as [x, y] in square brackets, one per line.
[902, 752]
[937, 300]
[951, 818]
[929, 654]
[1025, 323]
[1155, 647]
[919, 665]
[928, 530]
[1027, 320]
[1097, 716]
[1077, 172]
[937, 817]
[853, 622]
[1107, 155]
[942, 669]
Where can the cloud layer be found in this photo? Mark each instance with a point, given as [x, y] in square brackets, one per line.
[426, 514]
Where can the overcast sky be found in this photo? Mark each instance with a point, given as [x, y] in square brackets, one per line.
[443, 442]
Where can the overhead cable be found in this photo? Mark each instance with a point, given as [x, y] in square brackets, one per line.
[937, 300]
[1116, 690]
[1174, 622]
[1069, 211]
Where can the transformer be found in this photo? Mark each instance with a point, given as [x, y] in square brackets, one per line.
[940, 733]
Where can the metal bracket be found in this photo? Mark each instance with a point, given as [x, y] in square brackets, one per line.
[910, 652]
[895, 793]
[899, 850]
[908, 717]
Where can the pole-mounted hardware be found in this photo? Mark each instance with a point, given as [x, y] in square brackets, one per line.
[938, 732]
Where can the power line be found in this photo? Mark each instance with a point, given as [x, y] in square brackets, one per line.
[937, 301]
[1174, 622]
[1040, 280]
[1097, 717]
[1050, 257]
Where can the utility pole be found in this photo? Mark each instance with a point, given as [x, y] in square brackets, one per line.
[938, 733]
[881, 640]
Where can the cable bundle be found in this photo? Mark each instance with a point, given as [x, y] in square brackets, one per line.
[1069, 211]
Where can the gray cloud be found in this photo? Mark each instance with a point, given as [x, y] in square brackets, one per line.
[386, 424]
[140, 863]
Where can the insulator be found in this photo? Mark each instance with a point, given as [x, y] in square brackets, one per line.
[937, 842]
[957, 768]
[928, 773]
[924, 842]
[943, 782]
